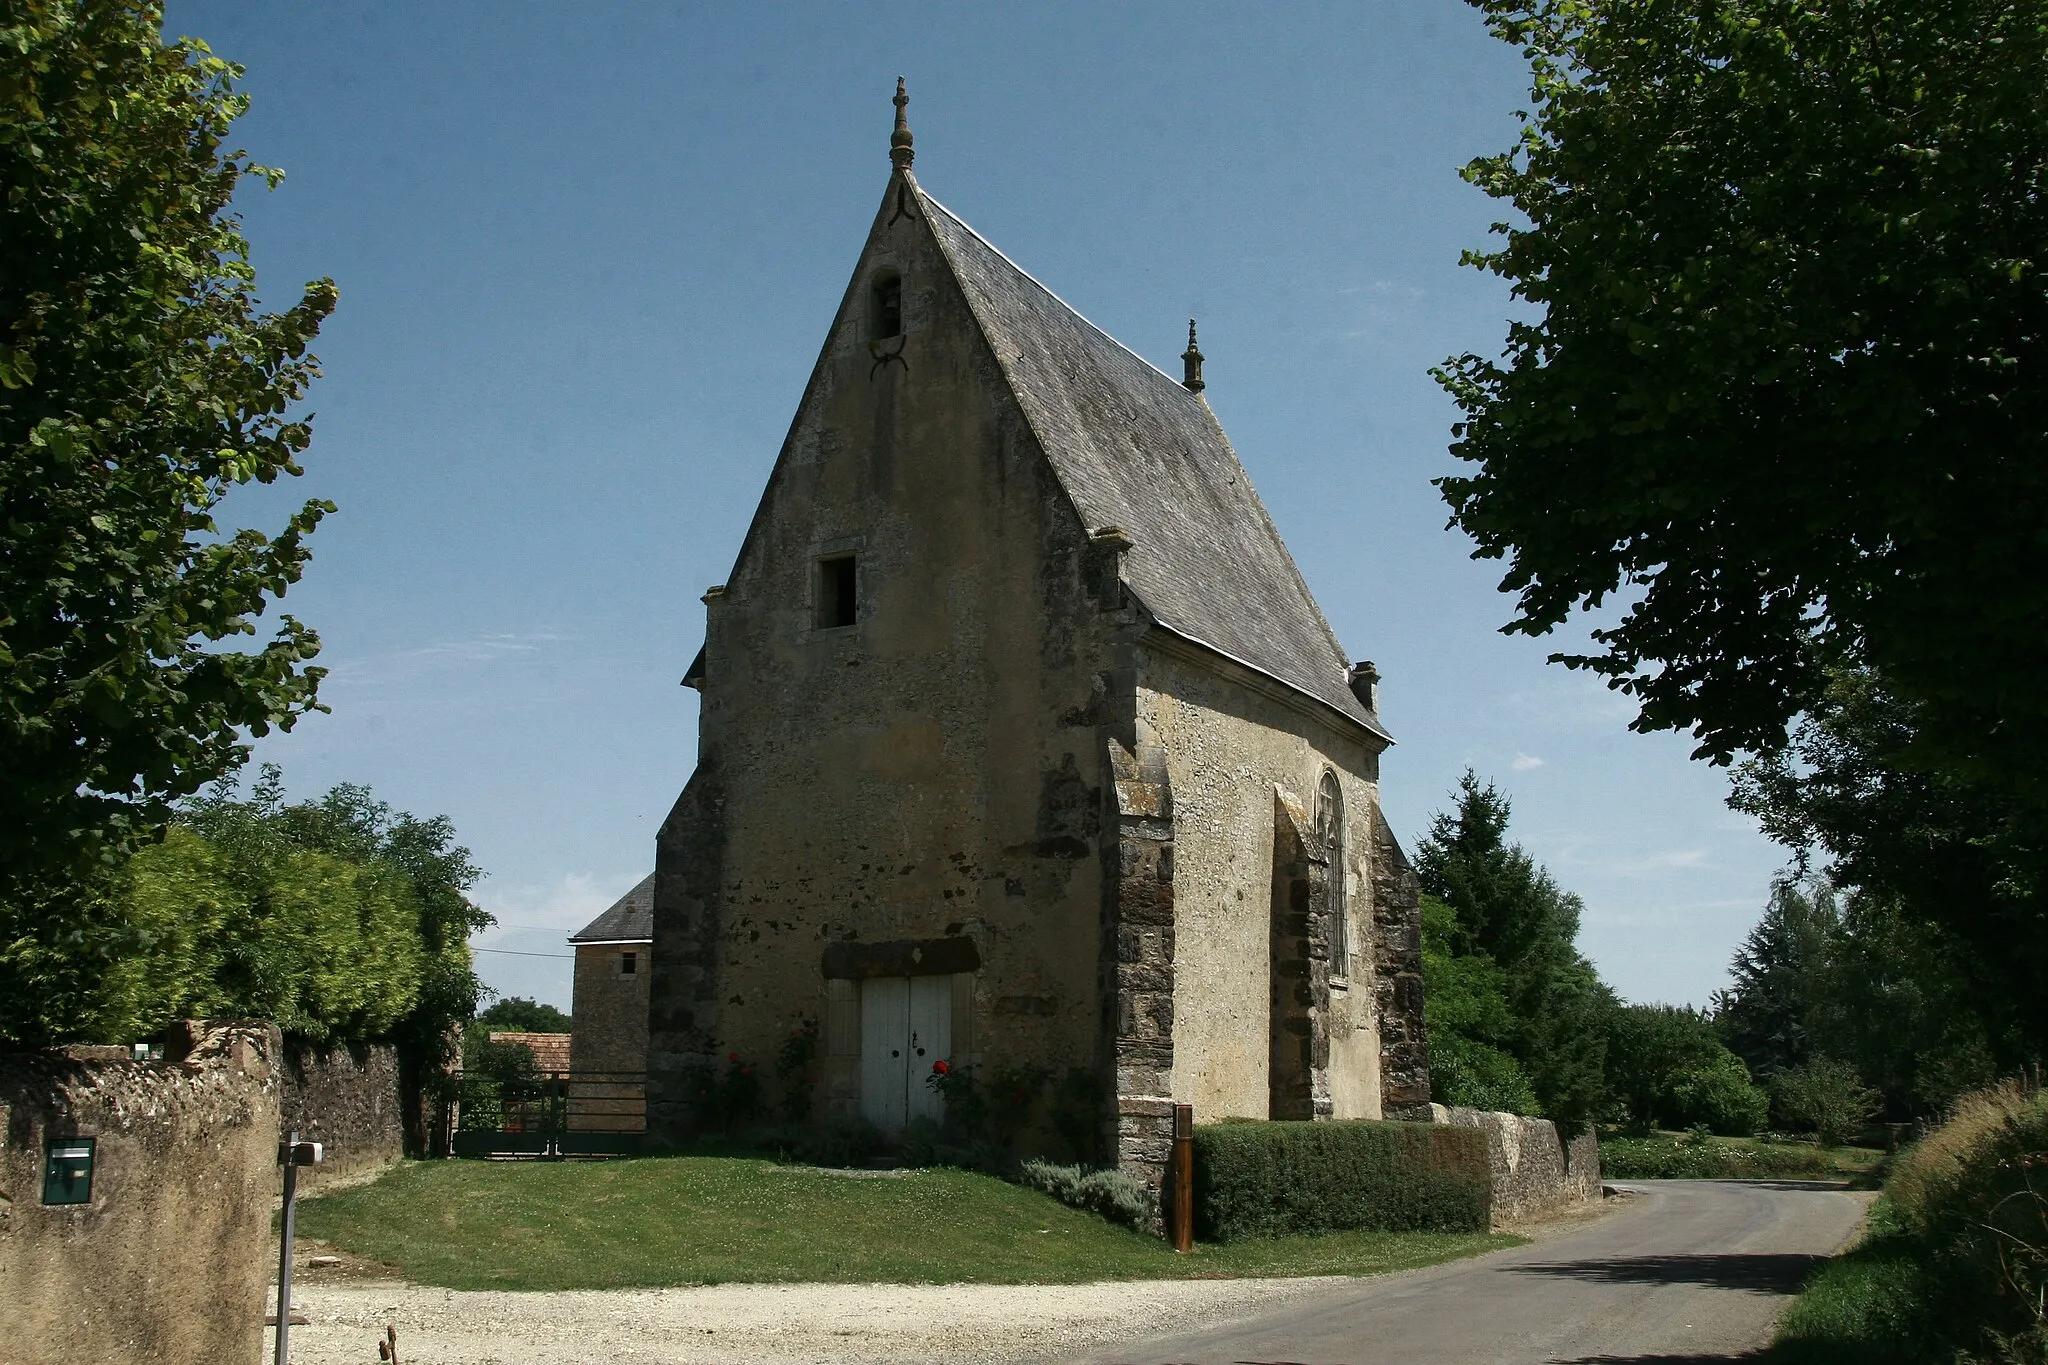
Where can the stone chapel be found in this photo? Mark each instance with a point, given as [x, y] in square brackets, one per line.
[1024, 742]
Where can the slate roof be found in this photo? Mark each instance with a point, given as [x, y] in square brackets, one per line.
[1135, 449]
[630, 920]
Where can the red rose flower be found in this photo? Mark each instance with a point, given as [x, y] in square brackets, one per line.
[732, 1056]
[939, 1068]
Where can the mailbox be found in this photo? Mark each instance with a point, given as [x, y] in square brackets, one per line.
[67, 1170]
[300, 1153]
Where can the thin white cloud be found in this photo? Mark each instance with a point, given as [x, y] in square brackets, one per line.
[441, 657]
[1526, 763]
[555, 909]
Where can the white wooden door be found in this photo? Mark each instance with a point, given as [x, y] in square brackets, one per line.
[906, 1024]
[884, 1034]
[931, 1040]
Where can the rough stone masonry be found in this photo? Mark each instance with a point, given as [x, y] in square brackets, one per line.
[1023, 744]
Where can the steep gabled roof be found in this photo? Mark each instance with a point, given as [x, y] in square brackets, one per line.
[630, 920]
[1136, 450]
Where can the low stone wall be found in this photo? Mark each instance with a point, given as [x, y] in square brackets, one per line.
[1534, 1172]
[168, 1260]
[347, 1100]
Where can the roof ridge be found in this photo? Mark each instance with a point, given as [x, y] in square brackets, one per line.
[1207, 547]
[1050, 292]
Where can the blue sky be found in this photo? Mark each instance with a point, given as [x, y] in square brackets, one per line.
[587, 255]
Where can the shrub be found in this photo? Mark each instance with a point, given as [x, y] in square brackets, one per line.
[1719, 1095]
[796, 1076]
[1075, 1109]
[1825, 1097]
[1478, 1076]
[842, 1142]
[994, 1109]
[1118, 1197]
[1270, 1179]
[1692, 1158]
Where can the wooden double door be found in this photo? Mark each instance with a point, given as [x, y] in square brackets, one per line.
[906, 1024]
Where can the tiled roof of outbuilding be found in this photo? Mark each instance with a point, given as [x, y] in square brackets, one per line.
[630, 920]
[1136, 450]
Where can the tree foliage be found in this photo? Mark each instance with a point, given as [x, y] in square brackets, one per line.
[1471, 1024]
[1766, 1016]
[139, 385]
[1781, 398]
[1827, 1098]
[1666, 1066]
[339, 920]
[517, 1014]
[1943, 863]
[1507, 960]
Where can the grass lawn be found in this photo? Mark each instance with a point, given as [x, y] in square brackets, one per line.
[712, 1219]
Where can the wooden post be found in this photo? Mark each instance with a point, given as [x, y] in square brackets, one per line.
[1183, 1177]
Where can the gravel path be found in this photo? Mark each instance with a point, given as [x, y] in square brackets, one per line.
[761, 1324]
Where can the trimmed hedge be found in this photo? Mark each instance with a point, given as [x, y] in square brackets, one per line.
[1264, 1179]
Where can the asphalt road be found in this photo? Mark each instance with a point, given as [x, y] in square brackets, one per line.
[1689, 1273]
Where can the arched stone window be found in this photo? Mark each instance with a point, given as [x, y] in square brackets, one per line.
[1330, 833]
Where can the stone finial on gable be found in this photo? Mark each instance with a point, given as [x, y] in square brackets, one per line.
[901, 154]
[1191, 363]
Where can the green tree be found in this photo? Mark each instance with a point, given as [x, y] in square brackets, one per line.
[1943, 864]
[1508, 911]
[1666, 1065]
[139, 384]
[517, 1014]
[1851, 974]
[1470, 1021]
[1825, 1097]
[1781, 395]
[351, 827]
[1767, 1011]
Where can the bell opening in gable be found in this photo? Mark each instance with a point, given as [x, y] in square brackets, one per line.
[885, 307]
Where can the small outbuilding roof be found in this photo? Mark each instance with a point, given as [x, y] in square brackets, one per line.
[550, 1050]
[630, 920]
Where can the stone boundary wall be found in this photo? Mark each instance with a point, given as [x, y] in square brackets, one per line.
[349, 1101]
[1534, 1172]
[169, 1261]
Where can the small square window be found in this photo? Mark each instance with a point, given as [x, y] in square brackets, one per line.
[837, 604]
[629, 964]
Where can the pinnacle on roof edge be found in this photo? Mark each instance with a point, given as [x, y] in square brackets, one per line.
[1191, 361]
[901, 153]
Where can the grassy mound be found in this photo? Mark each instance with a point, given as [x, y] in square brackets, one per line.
[1954, 1266]
[713, 1219]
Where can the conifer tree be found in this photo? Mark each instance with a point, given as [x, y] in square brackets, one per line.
[1509, 910]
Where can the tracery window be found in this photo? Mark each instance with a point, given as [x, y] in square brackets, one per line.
[1330, 833]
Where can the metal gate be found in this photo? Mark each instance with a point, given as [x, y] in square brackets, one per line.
[552, 1114]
